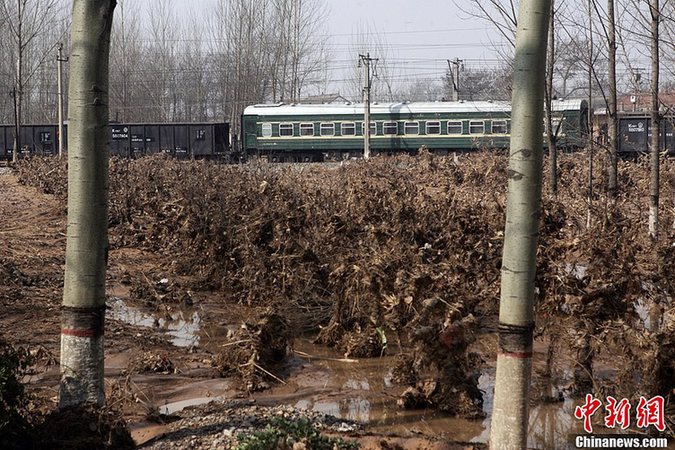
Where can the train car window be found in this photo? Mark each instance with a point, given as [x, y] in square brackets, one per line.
[267, 129]
[433, 127]
[455, 127]
[412, 128]
[499, 127]
[285, 129]
[476, 127]
[348, 129]
[306, 129]
[373, 128]
[390, 128]
[327, 129]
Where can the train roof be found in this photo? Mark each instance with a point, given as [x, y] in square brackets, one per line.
[281, 109]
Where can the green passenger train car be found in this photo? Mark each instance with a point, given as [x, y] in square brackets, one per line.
[289, 133]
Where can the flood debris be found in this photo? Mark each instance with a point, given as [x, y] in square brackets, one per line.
[151, 362]
[254, 350]
[408, 248]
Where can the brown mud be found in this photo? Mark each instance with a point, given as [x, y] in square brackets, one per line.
[392, 264]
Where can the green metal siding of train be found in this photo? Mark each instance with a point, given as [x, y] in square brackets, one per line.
[314, 132]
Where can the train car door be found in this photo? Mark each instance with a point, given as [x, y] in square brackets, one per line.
[221, 133]
[182, 141]
[9, 141]
[250, 134]
[201, 140]
[27, 140]
[137, 139]
[152, 139]
[633, 132]
[4, 154]
[166, 140]
[45, 140]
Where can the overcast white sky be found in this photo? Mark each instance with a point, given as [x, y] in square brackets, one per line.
[419, 36]
[432, 28]
[415, 29]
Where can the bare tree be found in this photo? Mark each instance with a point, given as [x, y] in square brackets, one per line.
[366, 40]
[160, 78]
[516, 311]
[655, 13]
[126, 59]
[502, 14]
[548, 106]
[422, 91]
[482, 83]
[25, 22]
[612, 118]
[193, 79]
[83, 312]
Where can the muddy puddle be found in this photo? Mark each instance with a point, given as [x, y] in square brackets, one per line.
[362, 391]
[181, 326]
[320, 379]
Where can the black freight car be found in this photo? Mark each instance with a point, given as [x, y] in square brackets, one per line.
[635, 133]
[181, 140]
[35, 140]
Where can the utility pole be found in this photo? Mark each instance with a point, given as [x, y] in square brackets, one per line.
[454, 71]
[60, 59]
[366, 60]
[637, 77]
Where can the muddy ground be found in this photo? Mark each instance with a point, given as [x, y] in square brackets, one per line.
[150, 372]
[364, 294]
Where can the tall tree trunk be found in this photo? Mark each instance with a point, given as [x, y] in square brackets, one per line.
[612, 121]
[548, 111]
[87, 243]
[589, 194]
[516, 315]
[655, 122]
[18, 92]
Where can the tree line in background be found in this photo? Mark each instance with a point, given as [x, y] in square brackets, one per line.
[212, 62]
[207, 65]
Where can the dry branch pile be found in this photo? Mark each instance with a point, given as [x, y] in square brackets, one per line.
[254, 350]
[408, 249]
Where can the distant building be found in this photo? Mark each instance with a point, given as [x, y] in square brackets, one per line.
[643, 101]
[323, 99]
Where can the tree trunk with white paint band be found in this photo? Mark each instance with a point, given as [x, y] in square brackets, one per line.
[516, 312]
[83, 311]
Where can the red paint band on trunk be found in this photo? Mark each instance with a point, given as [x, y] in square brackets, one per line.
[78, 333]
[516, 355]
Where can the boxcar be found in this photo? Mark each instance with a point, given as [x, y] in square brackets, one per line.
[181, 140]
[283, 132]
[635, 133]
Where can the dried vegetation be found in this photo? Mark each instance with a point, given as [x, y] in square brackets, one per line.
[407, 250]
